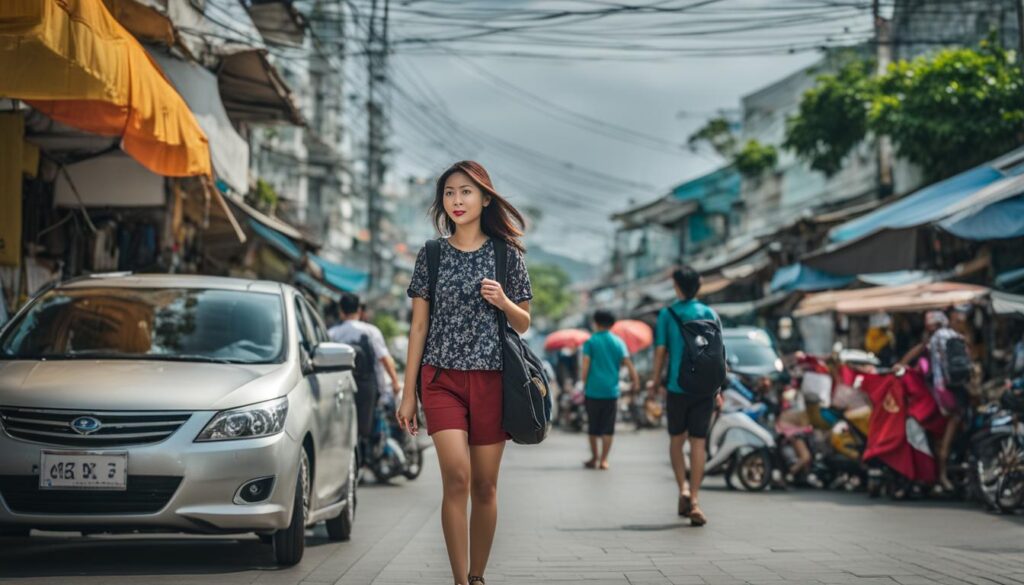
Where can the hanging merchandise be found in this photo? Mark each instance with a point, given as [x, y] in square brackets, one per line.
[105, 252]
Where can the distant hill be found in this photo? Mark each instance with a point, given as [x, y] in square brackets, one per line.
[578, 271]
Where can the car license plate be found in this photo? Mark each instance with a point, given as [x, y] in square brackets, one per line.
[83, 470]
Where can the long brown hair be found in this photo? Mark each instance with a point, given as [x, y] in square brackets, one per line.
[499, 219]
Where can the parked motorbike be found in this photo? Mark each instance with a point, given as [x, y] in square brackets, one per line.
[572, 410]
[390, 451]
[738, 446]
[1005, 469]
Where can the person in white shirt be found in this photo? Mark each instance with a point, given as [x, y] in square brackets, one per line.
[350, 329]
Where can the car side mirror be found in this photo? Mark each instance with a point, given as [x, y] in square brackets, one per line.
[329, 356]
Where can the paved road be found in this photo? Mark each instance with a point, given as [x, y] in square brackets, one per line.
[563, 524]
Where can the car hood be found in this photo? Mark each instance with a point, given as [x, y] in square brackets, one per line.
[140, 385]
[756, 370]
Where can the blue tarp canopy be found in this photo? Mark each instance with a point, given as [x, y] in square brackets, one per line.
[926, 205]
[280, 241]
[341, 277]
[797, 277]
[1001, 220]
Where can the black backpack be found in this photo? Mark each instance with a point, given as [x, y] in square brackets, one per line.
[702, 371]
[368, 392]
[958, 367]
[526, 399]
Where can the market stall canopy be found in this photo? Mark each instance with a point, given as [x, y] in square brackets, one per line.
[279, 21]
[887, 239]
[88, 184]
[339, 277]
[147, 20]
[637, 335]
[74, 62]
[896, 299]
[565, 338]
[228, 150]
[1007, 304]
[276, 239]
[797, 277]
[1000, 220]
[253, 91]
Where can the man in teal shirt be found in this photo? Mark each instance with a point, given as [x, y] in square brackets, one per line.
[603, 355]
[688, 417]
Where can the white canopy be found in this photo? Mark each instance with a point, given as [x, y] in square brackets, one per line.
[229, 151]
[109, 180]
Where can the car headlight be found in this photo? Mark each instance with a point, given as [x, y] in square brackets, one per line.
[257, 420]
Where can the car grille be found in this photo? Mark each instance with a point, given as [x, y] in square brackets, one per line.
[144, 494]
[117, 428]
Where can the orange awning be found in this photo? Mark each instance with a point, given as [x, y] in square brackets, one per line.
[73, 61]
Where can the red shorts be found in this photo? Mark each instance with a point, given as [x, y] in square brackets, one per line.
[467, 400]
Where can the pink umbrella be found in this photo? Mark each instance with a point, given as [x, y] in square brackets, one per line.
[637, 334]
[565, 338]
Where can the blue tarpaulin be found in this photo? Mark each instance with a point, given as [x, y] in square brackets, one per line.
[1003, 219]
[926, 205]
[280, 241]
[341, 277]
[797, 277]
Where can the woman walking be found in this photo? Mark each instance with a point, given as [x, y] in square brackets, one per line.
[454, 344]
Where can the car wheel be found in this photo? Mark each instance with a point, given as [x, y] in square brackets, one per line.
[755, 470]
[340, 528]
[290, 543]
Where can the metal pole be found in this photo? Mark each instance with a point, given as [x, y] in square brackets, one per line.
[883, 56]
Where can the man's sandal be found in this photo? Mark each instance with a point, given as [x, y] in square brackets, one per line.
[475, 579]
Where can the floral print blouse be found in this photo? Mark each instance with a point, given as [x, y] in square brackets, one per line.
[464, 327]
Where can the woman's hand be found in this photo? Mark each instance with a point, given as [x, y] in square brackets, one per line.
[493, 293]
[406, 414]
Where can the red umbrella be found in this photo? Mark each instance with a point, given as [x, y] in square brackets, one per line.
[637, 334]
[565, 338]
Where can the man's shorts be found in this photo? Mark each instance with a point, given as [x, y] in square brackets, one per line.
[601, 415]
[687, 415]
[467, 400]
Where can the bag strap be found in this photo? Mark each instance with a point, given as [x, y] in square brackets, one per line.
[433, 267]
[501, 274]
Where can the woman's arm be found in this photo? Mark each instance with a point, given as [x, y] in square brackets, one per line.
[518, 314]
[417, 340]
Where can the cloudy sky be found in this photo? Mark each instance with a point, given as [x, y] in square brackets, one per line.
[577, 138]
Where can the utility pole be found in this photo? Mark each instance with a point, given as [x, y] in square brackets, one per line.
[883, 56]
[376, 69]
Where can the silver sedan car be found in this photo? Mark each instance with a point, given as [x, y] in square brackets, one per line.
[176, 403]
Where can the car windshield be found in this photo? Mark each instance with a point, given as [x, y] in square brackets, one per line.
[744, 352]
[203, 325]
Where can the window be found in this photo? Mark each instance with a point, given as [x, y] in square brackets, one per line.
[153, 324]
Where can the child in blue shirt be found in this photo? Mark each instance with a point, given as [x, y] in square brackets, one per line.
[603, 354]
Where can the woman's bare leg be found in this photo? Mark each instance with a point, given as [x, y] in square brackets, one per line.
[486, 460]
[452, 448]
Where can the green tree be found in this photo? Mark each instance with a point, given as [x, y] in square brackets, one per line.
[387, 324]
[754, 159]
[751, 158]
[719, 134]
[833, 117]
[945, 112]
[551, 294]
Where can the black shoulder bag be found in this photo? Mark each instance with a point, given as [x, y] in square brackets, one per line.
[526, 401]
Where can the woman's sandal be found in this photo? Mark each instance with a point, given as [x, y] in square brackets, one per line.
[475, 579]
[697, 517]
[685, 505]
[591, 464]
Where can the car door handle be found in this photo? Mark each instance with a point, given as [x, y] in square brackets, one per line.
[340, 396]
